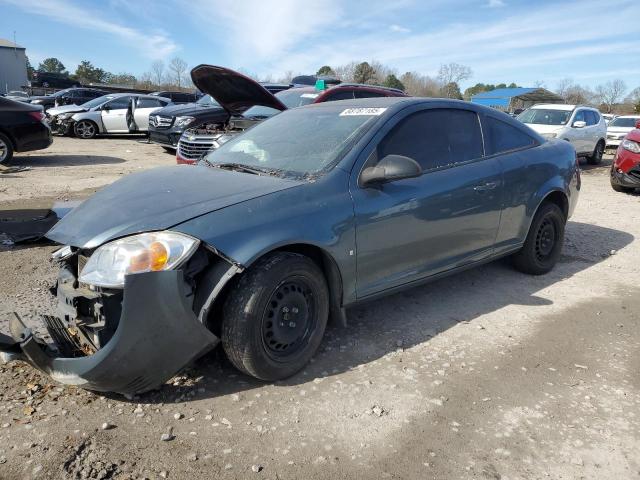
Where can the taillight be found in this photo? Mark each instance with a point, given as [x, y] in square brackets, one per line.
[39, 116]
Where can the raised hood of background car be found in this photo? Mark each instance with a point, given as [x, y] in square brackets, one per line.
[159, 199]
[232, 90]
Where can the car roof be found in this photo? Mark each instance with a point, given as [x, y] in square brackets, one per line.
[555, 106]
[133, 94]
[628, 116]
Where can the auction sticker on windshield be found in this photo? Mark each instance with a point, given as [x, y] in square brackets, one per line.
[350, 112]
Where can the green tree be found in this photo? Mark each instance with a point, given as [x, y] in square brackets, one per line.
[392, 82]
[326, 70]
[363, 73]
[501, 85]
[29, 69]
[86, 72]
[451, 90]
[52, 65]
[512, 85]
[120, 79]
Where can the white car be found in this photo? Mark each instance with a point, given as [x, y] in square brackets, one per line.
[113, 113]
[618, 129]
[584, 127]
[608, 117]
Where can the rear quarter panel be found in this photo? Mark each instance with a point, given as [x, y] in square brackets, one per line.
[529, 177]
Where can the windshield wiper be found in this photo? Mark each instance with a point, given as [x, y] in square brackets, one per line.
[239, 167]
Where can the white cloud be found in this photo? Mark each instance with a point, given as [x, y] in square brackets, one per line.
[399, 28]
[151, 44]
[496, 4]
[259, 29]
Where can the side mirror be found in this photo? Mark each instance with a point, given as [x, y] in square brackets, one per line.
[579, 124]
[389, 169]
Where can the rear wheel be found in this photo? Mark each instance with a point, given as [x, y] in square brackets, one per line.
[596, 157]
[6, 149]
[85, 129]
[543, 245]
[274, 320]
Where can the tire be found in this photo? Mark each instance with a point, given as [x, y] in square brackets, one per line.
[620, 188]
[596, 157]
[6, 149]
[281, 287]
[543, 244]
[169, 150]
[85, 129]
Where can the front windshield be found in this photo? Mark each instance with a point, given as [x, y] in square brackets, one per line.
[292, 98]
[207, 101]
[629, 122]
[297, 142]
[543, 116]
[96, 101]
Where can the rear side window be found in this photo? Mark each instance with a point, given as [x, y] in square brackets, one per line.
[149, 103]
[503, 137]
[339, 95]
[435, 138]
[368, 94]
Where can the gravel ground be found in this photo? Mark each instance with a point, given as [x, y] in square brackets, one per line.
[489, 374]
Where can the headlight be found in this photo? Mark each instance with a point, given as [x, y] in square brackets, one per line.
[549, 135]
[64, 116]
[631, 146]
[147, 252]
[183, 121]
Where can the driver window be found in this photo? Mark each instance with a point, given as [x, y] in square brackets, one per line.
[579, 117]
[118, 103]
[435, 138]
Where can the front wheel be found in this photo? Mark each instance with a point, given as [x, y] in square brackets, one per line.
[85, 129]
[543, 244]
[596, 157]
[274, 319]
[6, 149]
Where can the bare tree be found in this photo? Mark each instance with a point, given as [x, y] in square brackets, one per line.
[611, 93]
[539, 84]
[450, 74]
[563, 86]
[177, 67]
[157, 72]
[419, 85]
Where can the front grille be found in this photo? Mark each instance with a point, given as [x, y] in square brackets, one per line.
[194, 147]
[635, 173]
[160, 121]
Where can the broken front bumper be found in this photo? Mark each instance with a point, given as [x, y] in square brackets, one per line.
[157, 335]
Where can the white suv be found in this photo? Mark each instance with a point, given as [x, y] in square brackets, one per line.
[584, 127]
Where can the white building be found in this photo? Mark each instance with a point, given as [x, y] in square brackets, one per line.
[13, 66]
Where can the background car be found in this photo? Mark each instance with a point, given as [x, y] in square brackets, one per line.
[52, 80]
[584, 127]
[22, 128]
[111, 116]
[70, 96]
[257, 246]
[618, 128]
[608, 117]
[625, 170]
[198, 141]
[167, 125]
[178, 97]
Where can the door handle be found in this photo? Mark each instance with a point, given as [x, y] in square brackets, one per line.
[485, 186]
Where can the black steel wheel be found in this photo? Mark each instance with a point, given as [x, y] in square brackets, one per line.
[274, 318]
[543, 244]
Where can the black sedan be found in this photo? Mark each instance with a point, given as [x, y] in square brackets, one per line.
[314, 210]
[22, 128]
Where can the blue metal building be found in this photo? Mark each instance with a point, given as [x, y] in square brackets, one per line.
[510, 99]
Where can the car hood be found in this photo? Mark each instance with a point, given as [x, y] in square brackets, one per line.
[185, 109]
[232, 90]
[41, 97]
[159, 199]
[65, 109]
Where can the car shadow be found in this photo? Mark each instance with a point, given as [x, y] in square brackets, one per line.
[409, 318]
[587, 168]
[65, 160]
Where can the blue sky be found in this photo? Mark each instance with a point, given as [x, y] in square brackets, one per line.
[501, 40]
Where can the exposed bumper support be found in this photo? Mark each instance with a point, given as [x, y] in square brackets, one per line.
[157, 335]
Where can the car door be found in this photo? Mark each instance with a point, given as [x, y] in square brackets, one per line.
[114, 115]
[579, 135]
[592, 135]
[144, 107]
[449, 216]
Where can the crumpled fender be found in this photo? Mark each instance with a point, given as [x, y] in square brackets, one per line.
[157, 335]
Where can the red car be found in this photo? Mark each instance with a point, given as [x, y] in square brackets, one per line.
[625, 171]
[247, 103]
